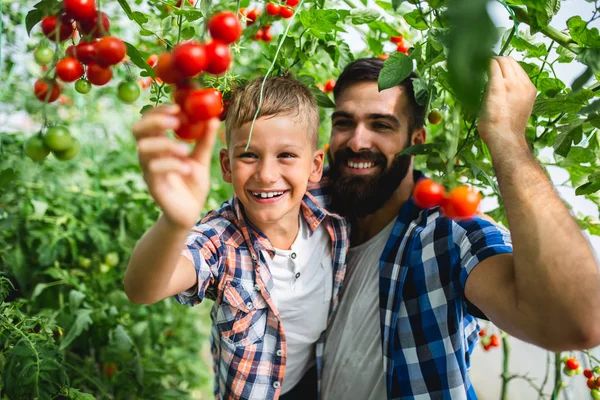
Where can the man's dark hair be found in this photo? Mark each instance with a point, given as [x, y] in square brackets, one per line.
[367, 70]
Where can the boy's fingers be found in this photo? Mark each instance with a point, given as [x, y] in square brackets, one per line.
[163, 109]
[165, 165]
[154, 124]
[203, 148]
[151, 147]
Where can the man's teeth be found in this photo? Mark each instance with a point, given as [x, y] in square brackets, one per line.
[360, 165]
[267, 195]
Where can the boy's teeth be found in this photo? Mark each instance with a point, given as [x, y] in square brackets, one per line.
[267, 195]
[361, 165]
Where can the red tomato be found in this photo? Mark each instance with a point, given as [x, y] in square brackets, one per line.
[448, 209]
[292, 3]
[403, 48]
[428, 193]
[71, 51]
[464, 201]
[219, 57]
[267, 35]
[273, 9]
[69, 69]
[588, 373]
[86, 52]
[383, 56]
[598, 382]
[286, 12]
[487, 347]
[494, 341]
[80, 10]
[260, 34]
[152, 60]
[51, 29]
[180, 2]
[226, 27]
[223, 115]
[181, 93]
[329, 85]
[251, 17]
[572, 363]
[110, 369]
[98, 75]
[93, 28]
[203, 104]
[591, 383]
[396, 39]
[188, 131]
[47, 91]
[482, 333]
[110, 50]
[190, 58]
[165, 69]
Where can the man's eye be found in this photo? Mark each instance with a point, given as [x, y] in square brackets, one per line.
[342, 122]
[379, 125]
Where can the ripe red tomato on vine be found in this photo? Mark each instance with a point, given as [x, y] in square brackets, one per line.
[203, 104]
[428, 194]
[219, 57]
[286, 12]
[110, 51]
[46, 90]
[225, 26]
[273, 9]
[69, 69]
[98, 75]
[80, 10]
[55, 28]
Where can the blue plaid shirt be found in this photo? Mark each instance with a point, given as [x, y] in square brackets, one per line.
[427, 333]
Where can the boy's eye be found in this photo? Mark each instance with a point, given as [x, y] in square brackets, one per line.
[247, 155]
[287, 155]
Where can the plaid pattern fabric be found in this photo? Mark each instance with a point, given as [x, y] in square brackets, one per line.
[427, 334]
[248, 342]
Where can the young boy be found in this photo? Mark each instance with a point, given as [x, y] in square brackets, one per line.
[271, 257]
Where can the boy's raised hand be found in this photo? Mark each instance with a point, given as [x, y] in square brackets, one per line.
[178, 180]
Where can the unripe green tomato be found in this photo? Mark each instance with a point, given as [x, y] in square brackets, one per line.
[579, 371]
[128, 91]
[597, 370]
[69, 153]
[58, 138]
[563, 384]
[564, 359]
[434, 117]
[595, 394]
[569, 372]
[43, 55]
[104, 268]
[486, 340]
[83, 86]
[111, 259]
[36, 149]
[85, 262]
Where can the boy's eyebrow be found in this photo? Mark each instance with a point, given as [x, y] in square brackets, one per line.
[284, 145]
[389, 117]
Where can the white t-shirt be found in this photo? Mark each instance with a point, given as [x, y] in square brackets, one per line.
[353, 358]
[303, 279]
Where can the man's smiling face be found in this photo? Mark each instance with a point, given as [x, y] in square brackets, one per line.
[368, 129]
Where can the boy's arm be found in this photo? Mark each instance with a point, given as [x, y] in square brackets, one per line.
[157, 269]
[179, 182]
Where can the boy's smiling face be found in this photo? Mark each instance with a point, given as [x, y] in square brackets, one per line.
[270, 178]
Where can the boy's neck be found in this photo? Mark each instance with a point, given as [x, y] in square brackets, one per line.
[282, 233]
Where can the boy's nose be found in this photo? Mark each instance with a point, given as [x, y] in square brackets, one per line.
[267, 172]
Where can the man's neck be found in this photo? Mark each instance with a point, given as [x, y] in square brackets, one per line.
[366, 228]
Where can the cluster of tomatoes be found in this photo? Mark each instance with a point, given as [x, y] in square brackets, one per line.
[328, 86]
[402, 46]
[461, 202]
[57, 139]
[489, 341]
[93, 56]
[187, 61]
[571, 368]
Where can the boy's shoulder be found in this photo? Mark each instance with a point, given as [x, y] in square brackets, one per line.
[222, 222]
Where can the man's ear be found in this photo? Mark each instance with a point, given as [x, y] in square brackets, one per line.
[225, 163]
[316, 171]
[419, 136]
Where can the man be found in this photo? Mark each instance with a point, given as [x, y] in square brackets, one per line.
[402, 329]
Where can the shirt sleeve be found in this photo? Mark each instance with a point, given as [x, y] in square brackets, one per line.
[207, 253]
[479, 239]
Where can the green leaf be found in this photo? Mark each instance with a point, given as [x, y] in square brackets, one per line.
[387, 6]
[75, 299]
[82, 323]
[137, 59]
[550, 87]
[396, 3]
[395, 69]
[363, 16]
[417, 149]
[532, 50]
[75, 394]
[343, 56]
[588, 188]
[322, 99]
[41, 9]
[415, 19]
[188, 33]
[321, 22]
[565, 55]
[470, 43]
[540, 12]
[375, 46]
[569, 103]
[563, 141]
[121, 340]
[584, 36]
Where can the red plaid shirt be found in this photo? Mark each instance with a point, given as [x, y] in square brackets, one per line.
[248, 341]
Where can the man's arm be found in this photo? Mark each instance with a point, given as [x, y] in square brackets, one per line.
[548, 291]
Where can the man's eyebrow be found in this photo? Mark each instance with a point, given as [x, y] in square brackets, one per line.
[341, 114]
[389, 117]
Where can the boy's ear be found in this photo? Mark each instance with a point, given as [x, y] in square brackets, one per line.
[317, 166]
[225, 163]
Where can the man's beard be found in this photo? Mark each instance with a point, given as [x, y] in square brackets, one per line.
[356, 196]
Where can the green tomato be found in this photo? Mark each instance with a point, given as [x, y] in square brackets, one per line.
[128, 91]
[69, 153]
[104, 268]
[43, 55]
[85, 262]
[83, 86]
[569, 372]
[58, 138]
[36, 149]
[595, 394]
[111, 259]
[486, 340]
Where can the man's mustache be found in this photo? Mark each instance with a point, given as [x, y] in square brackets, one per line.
[342, 156]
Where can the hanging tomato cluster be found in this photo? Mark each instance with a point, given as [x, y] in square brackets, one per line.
[488, 341]
[402, 46]
[93, 56]
[571, 367]
[187, 61]
[461, 202]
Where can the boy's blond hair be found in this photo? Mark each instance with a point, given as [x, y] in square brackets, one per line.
[281, 96]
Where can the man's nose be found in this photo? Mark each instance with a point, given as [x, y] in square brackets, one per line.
[360, 139]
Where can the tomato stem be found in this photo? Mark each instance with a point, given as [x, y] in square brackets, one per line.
[557, 376]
